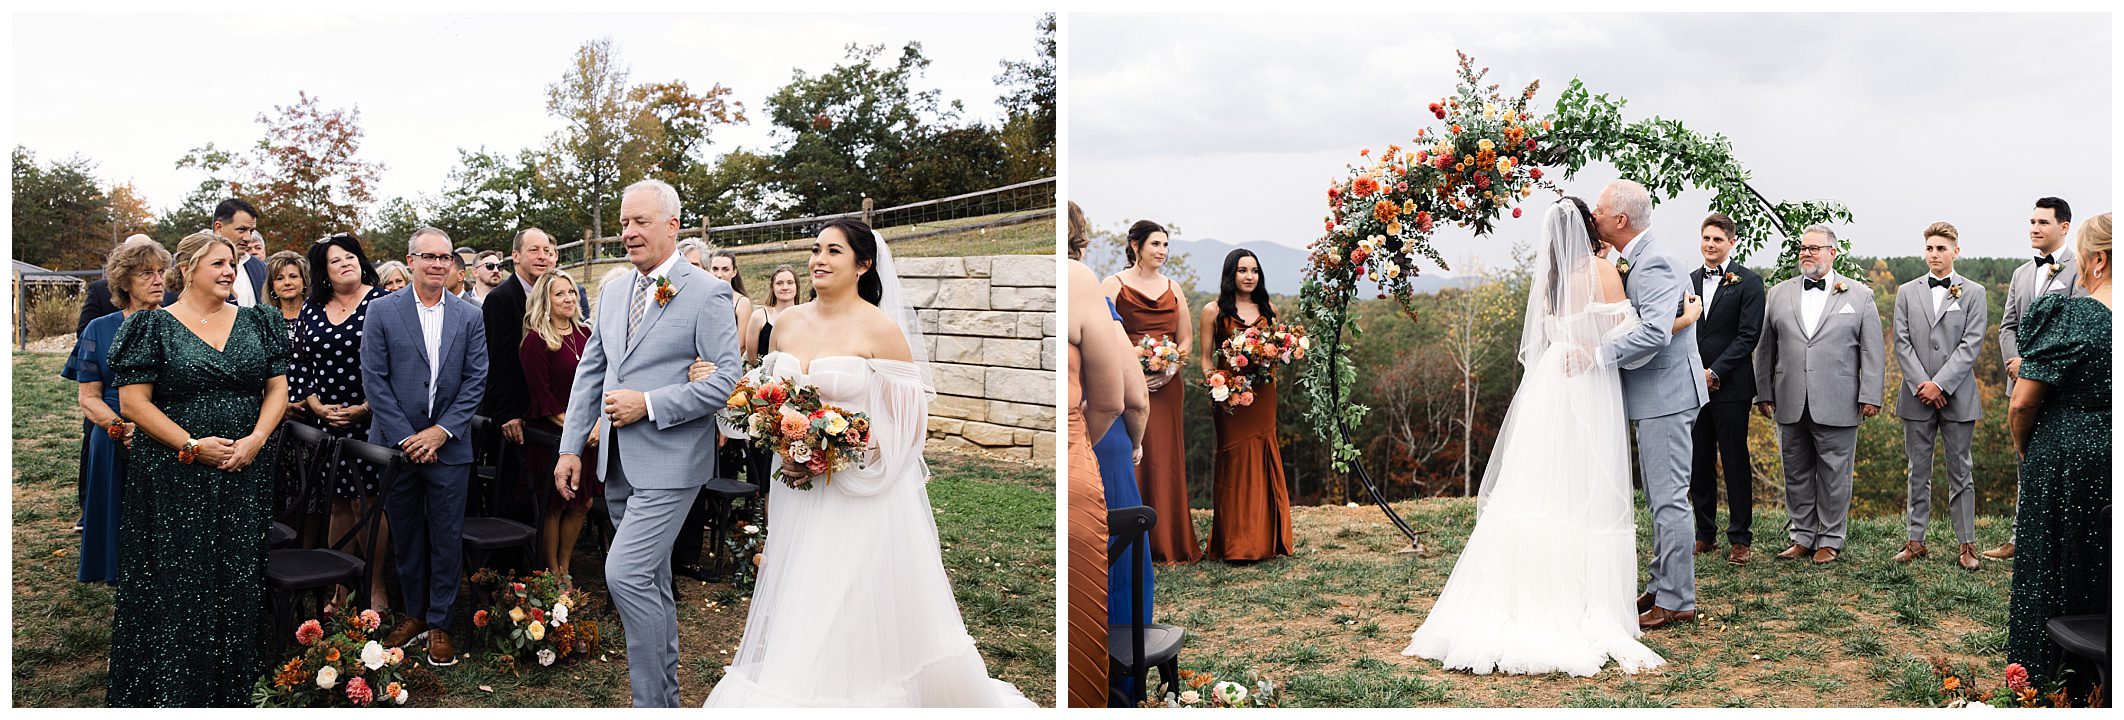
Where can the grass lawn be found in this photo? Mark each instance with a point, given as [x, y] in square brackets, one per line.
[1328, 624]
[996, 521]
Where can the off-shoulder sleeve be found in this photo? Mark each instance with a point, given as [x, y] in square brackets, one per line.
[2048, 345]
[272, 337]
[136, 353]
[899, 429]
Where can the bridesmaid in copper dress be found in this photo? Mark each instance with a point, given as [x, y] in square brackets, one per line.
[1152, 305]
[1098, 362]
[1252, 506]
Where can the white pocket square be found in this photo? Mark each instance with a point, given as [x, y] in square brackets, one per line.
[1956, 305]
[1846, 311]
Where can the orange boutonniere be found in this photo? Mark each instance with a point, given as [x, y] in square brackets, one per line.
[1731, 279]
[1841, 287]
[664, 291]
[1955, 291]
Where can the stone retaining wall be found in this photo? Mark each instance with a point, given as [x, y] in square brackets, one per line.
[990, 326]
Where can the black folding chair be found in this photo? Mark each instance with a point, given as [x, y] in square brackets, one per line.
[485, 534]
[1133, 649]
[599, 522]
[293, 574]
[722, 494]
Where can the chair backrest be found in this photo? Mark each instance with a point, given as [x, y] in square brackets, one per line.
[369, 509]
[310, 454]
[1130, 528]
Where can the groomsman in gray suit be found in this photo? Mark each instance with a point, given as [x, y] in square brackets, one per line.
[1663, 388]
[1939, 328]
[2050, 273]
[1818, 372]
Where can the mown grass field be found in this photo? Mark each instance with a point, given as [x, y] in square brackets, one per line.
[1328, 624]
[995, 520]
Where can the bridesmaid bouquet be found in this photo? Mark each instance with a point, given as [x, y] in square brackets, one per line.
[1159, 355]
[339, 664]
[1256, 351]
[792, 422]
[1229, 390]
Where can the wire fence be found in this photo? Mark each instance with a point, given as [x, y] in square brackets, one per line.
[1008, 205]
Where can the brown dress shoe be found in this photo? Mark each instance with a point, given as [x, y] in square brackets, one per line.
[1659, 617]
[1740, 555]
[1912, 550]
[1968, 559]
[1644, 602]
[408, 630]
[1824, 556]
[1704, 547]
[440, 653]
[2002, 552]
[1795, 552]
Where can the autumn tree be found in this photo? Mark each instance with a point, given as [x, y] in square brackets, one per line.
[61, 213]
[1028, 133]
[606, 136]
[1481, 330]
[129, 213]
[305, 175]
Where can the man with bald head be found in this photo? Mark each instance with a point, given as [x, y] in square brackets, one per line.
[1663, 388]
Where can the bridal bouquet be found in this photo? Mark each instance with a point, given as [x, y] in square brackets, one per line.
[1256, 351]
[339, 664]
[1229, 390]
[1159, 355]
[529, 619]
[792, 422]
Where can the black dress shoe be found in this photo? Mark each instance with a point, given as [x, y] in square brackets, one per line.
[693, 571]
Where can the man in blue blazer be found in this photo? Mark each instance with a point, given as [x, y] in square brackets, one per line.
[424, 365]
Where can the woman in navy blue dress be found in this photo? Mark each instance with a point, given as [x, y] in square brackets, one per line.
[135, 271]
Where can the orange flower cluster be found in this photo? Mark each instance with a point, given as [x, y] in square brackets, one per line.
[291, 674]
[1386, 211]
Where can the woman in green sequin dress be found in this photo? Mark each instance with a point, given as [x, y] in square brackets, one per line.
[192, 544]
[2060, 422]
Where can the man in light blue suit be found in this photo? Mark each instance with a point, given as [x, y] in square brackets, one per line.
[1663, 388]
[659, 443]
[424, 364]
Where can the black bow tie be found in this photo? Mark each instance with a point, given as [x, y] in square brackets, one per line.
[1719, 271]
[2041, 260]
[1822, 284]
[1939, 282]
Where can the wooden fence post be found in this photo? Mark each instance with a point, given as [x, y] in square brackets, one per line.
[867, 205]
[589, 249]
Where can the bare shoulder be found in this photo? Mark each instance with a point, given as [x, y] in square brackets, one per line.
[884, 337]
[1611, 282]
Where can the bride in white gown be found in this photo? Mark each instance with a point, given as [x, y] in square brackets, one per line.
[1547, 578]
[853, 608]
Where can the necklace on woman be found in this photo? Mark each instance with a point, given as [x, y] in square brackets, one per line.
[202, 319]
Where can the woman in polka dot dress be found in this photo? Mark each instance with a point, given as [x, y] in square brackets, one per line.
[326, 376]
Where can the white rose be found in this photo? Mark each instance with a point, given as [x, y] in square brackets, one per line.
[752, 529]
[799, 453]
[560, 614]
[545, 656]
[1220, 393]
[327, 677]
[1190, 697]
[402, 696]
[372, 655]
[1229, 693]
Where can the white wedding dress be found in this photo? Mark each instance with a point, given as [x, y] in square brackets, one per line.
[853, 608]
[1547, 581]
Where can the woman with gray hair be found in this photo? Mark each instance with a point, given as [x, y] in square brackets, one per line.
[393, 275]
[135, 273]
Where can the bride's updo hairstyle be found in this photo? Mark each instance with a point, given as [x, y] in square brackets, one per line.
[1585, 214]
[865, 244]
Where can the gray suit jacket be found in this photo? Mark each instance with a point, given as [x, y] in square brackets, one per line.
[1657, 387]
[2021, 293]
[1939, 344]
[677, 450]
[394, 373]
[1829, 374]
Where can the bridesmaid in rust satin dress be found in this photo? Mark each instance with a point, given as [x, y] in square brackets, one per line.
[1098, 359]
[1152, 305]
[1252, 504]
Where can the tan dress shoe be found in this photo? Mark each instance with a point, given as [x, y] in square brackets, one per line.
[440, 652]
[1659, 617]
[1740, 556]
[408, 630]
[1912, 550]
[1795, 552]
[2002, 552]
[1704, 547]
[1968, 558]
[1824, 556]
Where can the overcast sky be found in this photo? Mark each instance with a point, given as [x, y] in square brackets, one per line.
[135, 91]
[1232, 126]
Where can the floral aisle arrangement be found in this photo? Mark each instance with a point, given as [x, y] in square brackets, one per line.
[1204, 690]
[340, 665]
[792, 422]
[1959, 688]
[747, 544]
[534, 620]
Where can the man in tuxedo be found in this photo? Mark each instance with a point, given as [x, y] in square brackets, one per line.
[1939, 328]
[424, 365]
[1725, 340]
[1818, 373]
[2050, 273]
[508, 397]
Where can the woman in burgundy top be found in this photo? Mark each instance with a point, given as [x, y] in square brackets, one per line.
[554, 336]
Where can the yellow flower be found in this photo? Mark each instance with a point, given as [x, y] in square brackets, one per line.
[536, 631]
[516, 614]
[1504, 166]
[1485, 144]
[1394, 228]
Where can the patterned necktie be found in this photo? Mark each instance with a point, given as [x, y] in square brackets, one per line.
[637, 306]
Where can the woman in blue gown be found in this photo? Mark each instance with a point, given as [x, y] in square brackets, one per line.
[135, 271]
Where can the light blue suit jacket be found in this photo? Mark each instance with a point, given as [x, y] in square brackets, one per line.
[1672, 380]
[677, 450]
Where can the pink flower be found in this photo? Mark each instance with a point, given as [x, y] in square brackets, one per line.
[310, 632]
[370, 620]
[2016, 676]
[358, 692]
[1245, 399]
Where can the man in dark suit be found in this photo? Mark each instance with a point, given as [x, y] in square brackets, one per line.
[424, 365]
[508, 398]
[1725, 339]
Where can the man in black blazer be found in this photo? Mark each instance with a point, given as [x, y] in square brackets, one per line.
[1725, 338]
[507, 397]
[237, 222]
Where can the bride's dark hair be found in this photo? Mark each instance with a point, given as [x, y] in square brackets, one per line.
[1585, 214]
[1553, 295]
[865, 245]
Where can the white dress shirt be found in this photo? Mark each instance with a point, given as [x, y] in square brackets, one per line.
[431, 327]
[1939, 295]
[1713, 277]
[1813, 301]
[245, 296]
[648, 408]
[2044, 277]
